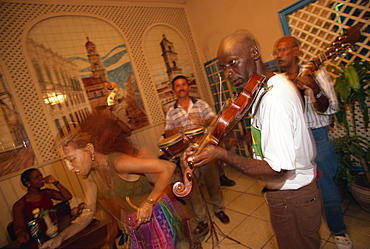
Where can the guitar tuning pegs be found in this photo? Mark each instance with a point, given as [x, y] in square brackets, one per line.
[354, 47]
[336, 58]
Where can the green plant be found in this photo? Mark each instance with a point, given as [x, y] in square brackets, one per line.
[352, 89]
[348, 148]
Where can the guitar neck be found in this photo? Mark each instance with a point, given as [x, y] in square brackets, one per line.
[319, 60]
[340, 45]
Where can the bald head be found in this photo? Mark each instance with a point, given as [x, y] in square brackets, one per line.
[241, 39]
[289, 41]
[239, 56]
[287, 52]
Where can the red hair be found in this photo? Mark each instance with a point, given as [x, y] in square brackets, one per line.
[103, 130]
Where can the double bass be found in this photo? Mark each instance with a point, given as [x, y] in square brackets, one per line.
[222, 125]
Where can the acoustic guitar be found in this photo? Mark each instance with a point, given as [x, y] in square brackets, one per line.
[238, 108]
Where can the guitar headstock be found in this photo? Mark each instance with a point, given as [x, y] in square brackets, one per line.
[344, 42]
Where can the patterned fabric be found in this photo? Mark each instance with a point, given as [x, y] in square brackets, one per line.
[176, 116]
[159, 232]
[314, 118]
[165, 227]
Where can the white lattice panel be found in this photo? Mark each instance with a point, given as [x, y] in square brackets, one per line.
[132, 21]
[319, 23]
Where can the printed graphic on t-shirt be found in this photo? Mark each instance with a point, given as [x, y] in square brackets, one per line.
[256, 142]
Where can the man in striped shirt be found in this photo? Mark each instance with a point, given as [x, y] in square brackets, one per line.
[321, 103]
[186, 114]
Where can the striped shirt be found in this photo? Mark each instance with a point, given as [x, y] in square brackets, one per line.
[177, 117]
[317, 119]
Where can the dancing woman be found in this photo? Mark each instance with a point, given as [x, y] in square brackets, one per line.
[131, 187]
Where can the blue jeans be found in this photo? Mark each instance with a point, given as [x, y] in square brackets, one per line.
[327, 167]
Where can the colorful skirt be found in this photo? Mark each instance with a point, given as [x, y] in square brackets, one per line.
[161, 232]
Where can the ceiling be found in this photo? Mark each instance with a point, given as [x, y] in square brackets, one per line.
[152, 1]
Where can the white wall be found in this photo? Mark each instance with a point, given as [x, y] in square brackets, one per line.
[211, 20]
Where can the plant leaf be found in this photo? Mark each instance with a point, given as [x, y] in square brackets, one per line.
[357, 150]
[335, 70]
[342, 88]
[355, 81]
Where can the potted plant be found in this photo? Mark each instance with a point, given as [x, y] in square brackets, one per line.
[352, 89]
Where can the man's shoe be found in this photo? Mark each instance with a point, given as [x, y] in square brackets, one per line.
[226, 181]
[343, 242]
[223, 217]
[201, 229]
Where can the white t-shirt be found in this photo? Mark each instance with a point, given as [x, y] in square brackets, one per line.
[285, 141]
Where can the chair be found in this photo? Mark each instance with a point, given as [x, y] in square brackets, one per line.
[10, 229]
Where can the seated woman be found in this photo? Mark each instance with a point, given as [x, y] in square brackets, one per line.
[35, 198]
[131, 188]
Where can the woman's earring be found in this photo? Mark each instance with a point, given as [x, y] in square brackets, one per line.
[92, 157]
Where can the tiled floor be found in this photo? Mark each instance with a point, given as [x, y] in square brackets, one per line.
[249, 219]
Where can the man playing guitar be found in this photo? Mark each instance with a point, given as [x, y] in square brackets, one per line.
[321, 103]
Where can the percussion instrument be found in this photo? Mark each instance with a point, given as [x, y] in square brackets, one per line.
[221, 126]
[172, 146]
[194, 134]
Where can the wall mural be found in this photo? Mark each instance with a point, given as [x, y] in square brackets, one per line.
[15, 150]
[82, 64]
[168, 56]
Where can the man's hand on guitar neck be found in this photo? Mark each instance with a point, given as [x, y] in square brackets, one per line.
[305, 79]
[306, 82]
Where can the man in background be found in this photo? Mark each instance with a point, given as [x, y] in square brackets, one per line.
[189, 113]
[317, 89]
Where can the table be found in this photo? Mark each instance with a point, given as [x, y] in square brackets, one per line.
[93, 236]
